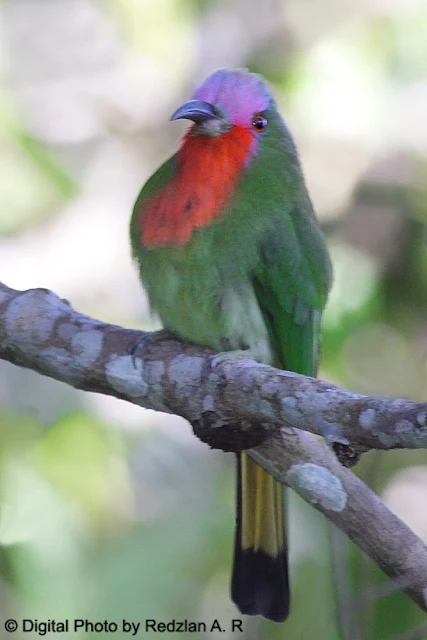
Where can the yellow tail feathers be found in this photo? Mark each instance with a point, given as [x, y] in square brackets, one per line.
[260, 572]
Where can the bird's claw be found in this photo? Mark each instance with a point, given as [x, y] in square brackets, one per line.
[144, 344]
[211, 365]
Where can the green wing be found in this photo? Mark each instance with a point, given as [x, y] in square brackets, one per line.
[291, 286]
[156, 182]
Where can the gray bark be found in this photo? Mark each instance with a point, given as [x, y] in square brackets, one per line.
[236, 403]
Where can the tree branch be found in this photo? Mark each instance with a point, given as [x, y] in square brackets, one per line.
[235, 403]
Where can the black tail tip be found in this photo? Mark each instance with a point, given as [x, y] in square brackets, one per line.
[260, 584]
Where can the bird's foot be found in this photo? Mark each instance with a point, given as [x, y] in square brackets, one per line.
[225, 357]
[145, 343]
[213, 364]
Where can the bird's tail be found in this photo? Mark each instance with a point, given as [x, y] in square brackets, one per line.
[260, 582]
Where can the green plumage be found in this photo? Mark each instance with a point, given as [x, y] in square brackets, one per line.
[266, 248]
[257, 278]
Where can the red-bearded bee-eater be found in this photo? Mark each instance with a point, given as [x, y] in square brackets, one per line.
[232, 257]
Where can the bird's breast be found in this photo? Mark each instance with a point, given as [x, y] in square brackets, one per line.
[199, 303]
[208, 169]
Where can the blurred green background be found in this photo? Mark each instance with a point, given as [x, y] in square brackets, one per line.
[109, 511]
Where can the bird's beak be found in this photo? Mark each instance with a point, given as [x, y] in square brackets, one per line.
[198, 111]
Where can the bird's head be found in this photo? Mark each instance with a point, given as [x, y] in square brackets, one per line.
[228, 99]
[233, 114]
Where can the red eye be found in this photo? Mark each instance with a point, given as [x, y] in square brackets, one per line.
[259, 123]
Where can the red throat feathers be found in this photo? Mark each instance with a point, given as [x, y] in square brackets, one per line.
[207, 171]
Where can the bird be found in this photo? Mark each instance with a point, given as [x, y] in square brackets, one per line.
[232, 257]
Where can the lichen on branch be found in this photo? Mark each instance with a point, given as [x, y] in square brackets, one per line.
[234, 400]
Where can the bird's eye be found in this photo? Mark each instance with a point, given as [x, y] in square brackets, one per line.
[259, 123]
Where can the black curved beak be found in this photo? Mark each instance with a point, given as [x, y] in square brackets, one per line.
[196, 110]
